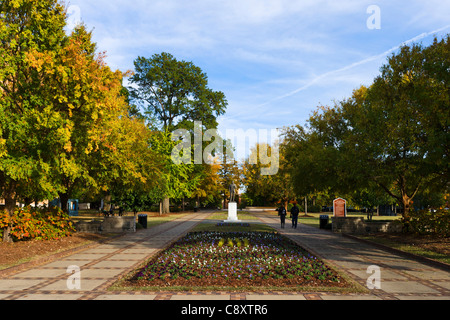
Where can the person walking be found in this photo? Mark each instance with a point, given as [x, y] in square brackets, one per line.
[282, 213]
[294, 215]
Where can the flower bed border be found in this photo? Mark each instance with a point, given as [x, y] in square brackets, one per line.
[347, 285]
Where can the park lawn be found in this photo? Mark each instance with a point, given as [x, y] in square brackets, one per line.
[312, 219]
[428, 246]
[223, 215]
[213, 227]
[153, 218]
[210, 224]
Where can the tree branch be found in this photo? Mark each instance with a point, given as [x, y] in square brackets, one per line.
[387, 190]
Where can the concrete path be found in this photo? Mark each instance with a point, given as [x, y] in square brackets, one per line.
[401, 278]
[100, 266]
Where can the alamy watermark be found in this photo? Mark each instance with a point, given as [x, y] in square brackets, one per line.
[374, 280]
[74, 280]
[374, 21]
[242, 140]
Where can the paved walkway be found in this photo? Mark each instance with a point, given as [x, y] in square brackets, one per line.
[401, 278]
[101, 265]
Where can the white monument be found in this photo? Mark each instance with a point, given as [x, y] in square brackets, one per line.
[232, 205]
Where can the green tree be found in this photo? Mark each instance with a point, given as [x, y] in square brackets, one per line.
[398, 129]
[174, 94]
[175, 181]
[369, 199]
[393, 135]
[309, 158]
[31, 34]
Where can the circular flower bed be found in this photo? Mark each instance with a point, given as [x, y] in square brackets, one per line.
[236, 259]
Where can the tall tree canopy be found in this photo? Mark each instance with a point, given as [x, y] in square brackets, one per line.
[31, 35]
[63, 112]
[393, 135]
[174, 94]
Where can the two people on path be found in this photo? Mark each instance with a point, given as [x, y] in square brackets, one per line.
[294, 215]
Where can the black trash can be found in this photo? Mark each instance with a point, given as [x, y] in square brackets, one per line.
[142, 220]
[323, 219]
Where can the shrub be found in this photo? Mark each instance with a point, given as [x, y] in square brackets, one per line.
[41, 224]
[315, 208]
[426, 222]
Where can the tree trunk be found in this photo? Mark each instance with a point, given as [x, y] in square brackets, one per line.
[404, 200]
[165, 206]
[224, 202]
[107, 202]
[63, 199]
[10, 204]
[406, 203]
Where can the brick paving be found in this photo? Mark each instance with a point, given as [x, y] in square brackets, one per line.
[101, 265]
[402, 278]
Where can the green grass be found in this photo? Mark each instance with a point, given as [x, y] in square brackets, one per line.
[210, 224]
[313, 218]
[213, 227]
[155, 221]
[409, 248]
[242, 215]
[152, 221]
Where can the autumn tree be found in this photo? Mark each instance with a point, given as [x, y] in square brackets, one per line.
[91, 101]
[64, 118]
[129, 168]
[265, 189]
[210, 189]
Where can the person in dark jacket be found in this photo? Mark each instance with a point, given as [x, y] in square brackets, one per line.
[282, 213]
[294, 215]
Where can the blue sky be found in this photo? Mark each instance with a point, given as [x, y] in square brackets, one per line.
[275, 60]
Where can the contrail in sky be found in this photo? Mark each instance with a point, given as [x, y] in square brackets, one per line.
[325, 75]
